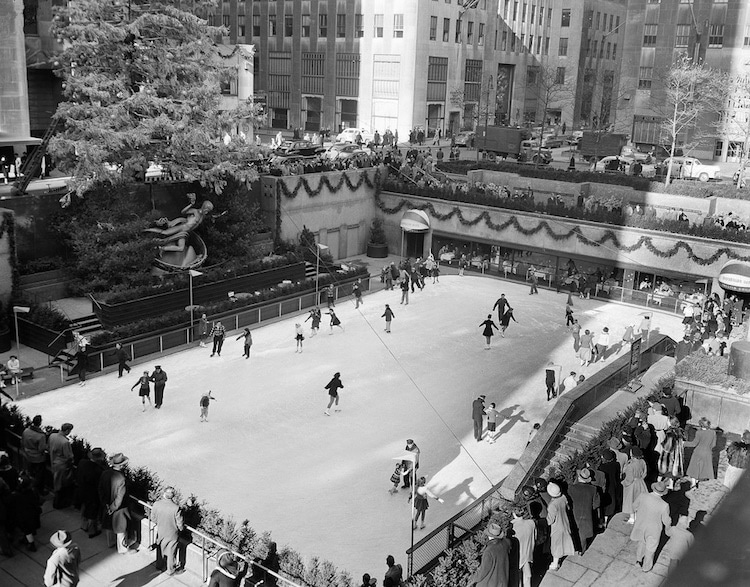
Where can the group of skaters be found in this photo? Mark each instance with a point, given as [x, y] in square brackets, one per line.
[410, 275]
[708, 322]
[555, 519]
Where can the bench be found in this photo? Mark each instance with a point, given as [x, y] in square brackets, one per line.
[26, 373]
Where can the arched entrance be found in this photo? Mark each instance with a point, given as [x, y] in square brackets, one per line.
[414, 225]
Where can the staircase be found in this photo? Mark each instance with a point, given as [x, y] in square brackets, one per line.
[570, 440]
[86, 326]
[34, 161]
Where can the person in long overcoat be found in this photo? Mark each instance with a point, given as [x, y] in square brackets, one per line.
[88, 475]
[561, 541]
[585, 498]
[229, 572]
[701, 466]
[611, 495]
[494, 570]
[524, 530]
[633, 484]
[61, 461]
[168, 519]
[25, 510]
[651, 518]
[113, 495]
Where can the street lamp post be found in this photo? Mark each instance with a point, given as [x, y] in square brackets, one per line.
[16, 311]
[192, 273]
[318, 250]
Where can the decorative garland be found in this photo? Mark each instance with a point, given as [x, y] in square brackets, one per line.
[608, 236]
[311, 192]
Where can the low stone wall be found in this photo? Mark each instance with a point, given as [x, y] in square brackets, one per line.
[724, 408]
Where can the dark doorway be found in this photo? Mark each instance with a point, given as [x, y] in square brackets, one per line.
[414, 244]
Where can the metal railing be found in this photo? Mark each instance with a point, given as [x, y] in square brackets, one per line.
[210, 548]
[425, 554]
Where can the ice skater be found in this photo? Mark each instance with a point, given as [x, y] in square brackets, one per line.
[123, 357]
[299, 337]
[501, 304]
[405, 291]
[436, 273]
[421, 495]
[492, 418]
[315, 316]
[505, 320]
[144, 391]
[217, 333]
[334, 321]
[357, 291]
[159, 377]
[248, 342]
[388, 315]
[550, 378]
[330, 296]
[203, 330]
[204, 403]
[333, 391]
[568, 316]
[488, 331]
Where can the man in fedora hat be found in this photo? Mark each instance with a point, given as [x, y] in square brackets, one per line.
[494, 569]
[229, 572]
[89, 473]
[34, 450]
[62, 565]
[738, 455]
[61, 461]
[166, 514]
[585, 498]
[113, 495]
[651, 518]
[159, 377]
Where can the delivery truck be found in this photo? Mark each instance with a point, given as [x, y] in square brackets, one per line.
[504, 141]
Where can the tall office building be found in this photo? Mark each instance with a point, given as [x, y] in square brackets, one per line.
[713, 32]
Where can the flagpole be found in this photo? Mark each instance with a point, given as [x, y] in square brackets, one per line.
[413, 497]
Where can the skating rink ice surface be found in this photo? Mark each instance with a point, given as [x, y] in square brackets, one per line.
[318, 483]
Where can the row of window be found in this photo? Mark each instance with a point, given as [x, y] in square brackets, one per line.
[458, 32]
[533, 44]
[684, 32]
[306, 25]
[534, 13]
[595, 50]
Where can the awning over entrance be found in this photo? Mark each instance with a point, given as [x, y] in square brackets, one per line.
[8, 140]
[735, 275]
[415, 221]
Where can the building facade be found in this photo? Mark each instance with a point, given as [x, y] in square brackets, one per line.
[713, 32]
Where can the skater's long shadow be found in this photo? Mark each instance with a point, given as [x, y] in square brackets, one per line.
[511, 419]
[460, 493]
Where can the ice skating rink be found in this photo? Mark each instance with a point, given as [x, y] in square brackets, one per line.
[320, 484]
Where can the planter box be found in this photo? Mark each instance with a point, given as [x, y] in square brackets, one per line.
[724, 407]
[377, 251]
[112, 315]
[40, 338]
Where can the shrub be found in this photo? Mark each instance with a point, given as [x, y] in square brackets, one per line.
[377, 234]
[711, 370]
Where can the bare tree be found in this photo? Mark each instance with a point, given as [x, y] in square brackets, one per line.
[547, 84]
[689, 92]
[734, 114]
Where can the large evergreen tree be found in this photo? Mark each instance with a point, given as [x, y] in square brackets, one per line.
[142, 84]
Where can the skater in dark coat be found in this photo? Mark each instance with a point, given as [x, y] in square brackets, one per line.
[144, 388]
[159, 378]
[315, 316]
[248, 342]
[389, 316]
[123, 357]
[334, 320]
[505, 320]
[501, 304]
[488, 331]
[333, 391]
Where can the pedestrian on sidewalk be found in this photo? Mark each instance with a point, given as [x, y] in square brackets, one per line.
[477, 414]
[492, 418]
[585, 499]
[61, 461]
[334, 321]
[248, 342]
[144, 388]
[34, 451]
[166, 514]
[505, 320]
[299, 337]
[62, 564]
[113, 495]
[421, 501]
[524, 530]
[357, 291]
[217, 333]
[204, 403]
[585, 347]
[557, 518]
[738, 455]
[159, 377]
[88, 476]
[24, 511]
[494, 569]
[680, 541]
[229, 572]
[602, 343]
[569, 382]
[610, 498]
[394, 574]
[550, 379]
[633, 482]
[203, 330]
[651, 518]
[315, 316]
[389, 316]
[333, 387]
[123, 357]
[701, 466]
[489, 325]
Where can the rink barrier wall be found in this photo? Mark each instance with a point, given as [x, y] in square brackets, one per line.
[570, 407]
[142, 348]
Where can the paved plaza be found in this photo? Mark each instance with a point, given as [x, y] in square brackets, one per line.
[320, 484]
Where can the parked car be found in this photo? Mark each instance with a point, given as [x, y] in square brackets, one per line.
[465, 139]
[305, 148]
[691, 168]
[552, 141]
[620, 164]
[343, 151]
[349, 135]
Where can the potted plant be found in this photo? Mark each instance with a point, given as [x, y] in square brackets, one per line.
[377, 246]
[5, 338]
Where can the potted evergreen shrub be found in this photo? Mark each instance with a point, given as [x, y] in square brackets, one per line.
[377, 246]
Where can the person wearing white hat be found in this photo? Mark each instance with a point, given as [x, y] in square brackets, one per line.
[561, 542]
[494, 569]
[651, 518]
[62, 565]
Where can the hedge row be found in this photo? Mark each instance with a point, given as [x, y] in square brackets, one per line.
[711, 370]
[678, 187]
[240, 536]
[178, 318]
[487, 195]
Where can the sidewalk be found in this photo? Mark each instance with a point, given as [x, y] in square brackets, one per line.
[100, 565]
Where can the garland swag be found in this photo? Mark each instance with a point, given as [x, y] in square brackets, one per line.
[304, 182]
[608, 236]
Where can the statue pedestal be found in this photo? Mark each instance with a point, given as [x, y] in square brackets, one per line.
[739, 360]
